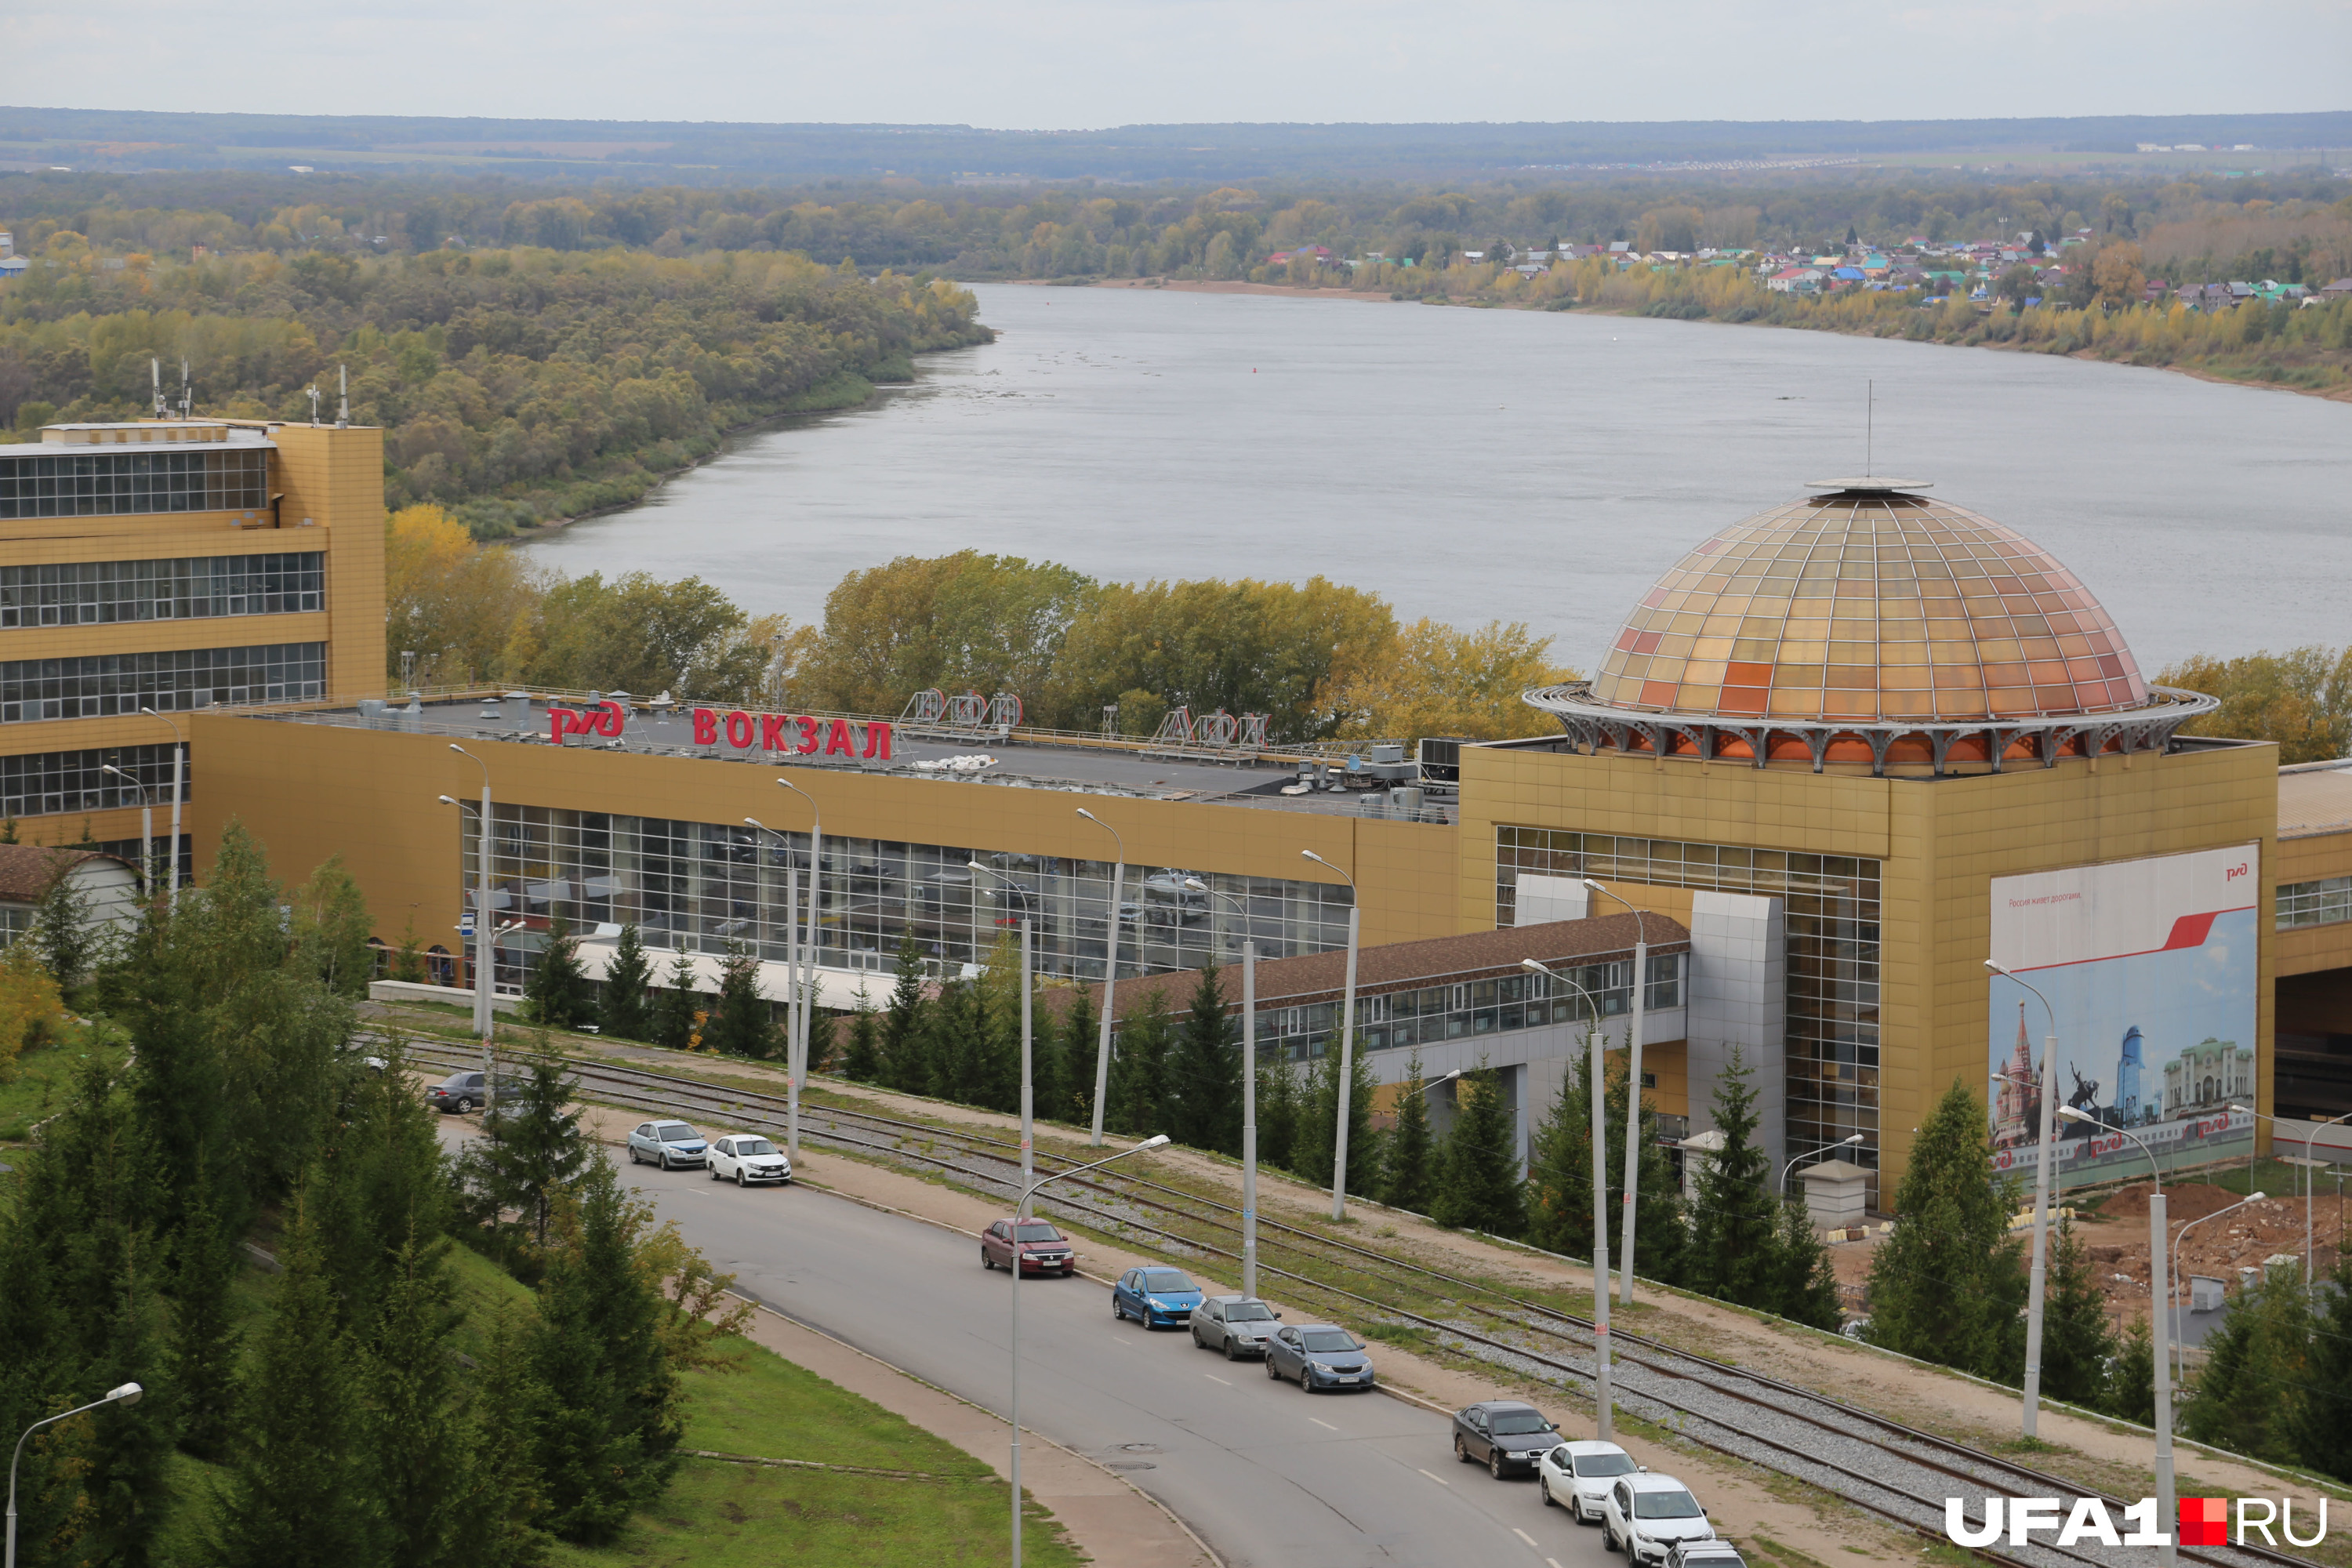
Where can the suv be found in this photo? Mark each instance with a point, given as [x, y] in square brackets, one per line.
[1506, 1435]
[1705, 1554]
[1646, 1516]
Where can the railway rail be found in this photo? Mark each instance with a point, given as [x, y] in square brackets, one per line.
[1897, 1472]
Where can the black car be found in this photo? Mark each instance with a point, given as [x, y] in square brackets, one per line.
[1504, 1435]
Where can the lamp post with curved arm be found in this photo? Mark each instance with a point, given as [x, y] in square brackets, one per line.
[1021, 1212]
[1347, 1044]
[146, 829]
[1602, 1400]
[2167, 1490]
[1634, 1079]
[1028, 995]
[178, 774]
[482, 1021]
[126, 1395]
[792, 986]
[804, 984]
[1111, 971]
[2038, 1279]
[1841, 1143]
[2172, 1293]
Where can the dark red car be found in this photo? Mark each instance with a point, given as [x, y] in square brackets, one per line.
[1044, 1249]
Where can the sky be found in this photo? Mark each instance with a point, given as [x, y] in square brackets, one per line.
[1057, 64]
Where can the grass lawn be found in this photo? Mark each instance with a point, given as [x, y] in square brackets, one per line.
[45, 1078]
[721, 1515]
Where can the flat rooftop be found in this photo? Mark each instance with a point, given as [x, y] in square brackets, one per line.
[1070, 765]
[2315, 799]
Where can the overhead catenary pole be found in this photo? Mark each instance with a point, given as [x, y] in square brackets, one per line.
[1249, 1086]
[1110, 973]
[1603, 1398]
[2037, 1283]
[1632, 1085]
[2168, 1488]
[797, 1034]
[1028, 1055]
[179, 755]
[1346, 1044]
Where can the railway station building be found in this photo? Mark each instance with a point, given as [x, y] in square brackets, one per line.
[1842, 754]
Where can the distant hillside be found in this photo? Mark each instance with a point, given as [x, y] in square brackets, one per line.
[124, 139]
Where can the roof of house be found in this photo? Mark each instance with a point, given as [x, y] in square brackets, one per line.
[1408, 965]
[26, 870]
[2314, 798]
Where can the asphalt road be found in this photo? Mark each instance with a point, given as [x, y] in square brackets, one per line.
[1270, 1477]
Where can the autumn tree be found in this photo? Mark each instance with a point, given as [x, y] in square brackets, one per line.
[1436, 680]
[2300, 698]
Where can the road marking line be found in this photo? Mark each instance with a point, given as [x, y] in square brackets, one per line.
[1325, 1424]
[1553, 1561]
[1523, 1535]
[1432, 1477]
[1213, 1377]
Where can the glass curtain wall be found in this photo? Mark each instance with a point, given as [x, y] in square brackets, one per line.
[1830, 903]
[1453, 1010]
[696, 887]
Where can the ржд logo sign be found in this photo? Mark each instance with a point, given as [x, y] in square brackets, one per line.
[2062, 1522]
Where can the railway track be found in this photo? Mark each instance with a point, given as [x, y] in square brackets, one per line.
[1898, 1472]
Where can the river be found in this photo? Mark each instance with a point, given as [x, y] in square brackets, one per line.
[1473, 464]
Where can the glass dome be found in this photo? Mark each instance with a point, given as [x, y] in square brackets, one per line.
[1870, 605]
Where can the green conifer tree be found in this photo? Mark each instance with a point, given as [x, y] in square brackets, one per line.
[2131, 1380]
[1075, 1049]
[905, 1064]
[953, 1042]
[1409, 1173]
[1139, 1067]
[408, 958]
[1560, 1164]
[1277, 1112]
[2249, 1396]
[1945, 1285]
[674, 1009]
[531, 1151]
[861, 1062]
[204, 1332]
[2076, 1342]
[505, 1503]
[1205, 1082]
[626, 1011]
[1480, 1188]
[741, 1023]
[298, 1493]
[556, 997]
[416, 1435]
[1661, 1230]
[1806, 1291]
[1312, 1152]
[1734, 1222]
[2321, 1428]
[332, 927]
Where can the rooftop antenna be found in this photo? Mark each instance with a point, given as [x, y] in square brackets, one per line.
[155, 372]
[343, 406]
[312, 392]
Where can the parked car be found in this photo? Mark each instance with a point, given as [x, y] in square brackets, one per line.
[1237, 1325]
[668, 1144]
[1645, 1516]
[1318, 1355]
[462, 1092]
[1504, 1435]
[746, 1157]
[1705, 1554]
[1577, 1476]
[1156, 1297]
[1044, 1249]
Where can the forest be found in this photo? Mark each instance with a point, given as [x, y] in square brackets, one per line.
[513, 385]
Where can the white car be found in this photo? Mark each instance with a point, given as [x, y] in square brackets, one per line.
[1645, 1516]
[744, 1158]
[1576, 1475]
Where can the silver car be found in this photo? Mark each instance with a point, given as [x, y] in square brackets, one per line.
[672, 1145]
[1237, 1325]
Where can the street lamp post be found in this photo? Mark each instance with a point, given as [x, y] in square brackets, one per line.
[482, 1020]
[1841, 1143]
[1020, 1213]
[1633, 1082]
[792, 983]
[2310, 1177]
[2038, 1279]
[796, 1016]
[2172, 1291]
[126, 1395]
[1028, 1081]
[146, 829]
[1602, 1399]
[1347, 1043]
[2167, 1497]
[179, 761]
[1111, 971]
[1249, 1086]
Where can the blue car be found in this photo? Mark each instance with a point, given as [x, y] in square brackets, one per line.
[1156, 1297]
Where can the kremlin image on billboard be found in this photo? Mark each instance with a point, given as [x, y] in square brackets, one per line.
[2150, 968]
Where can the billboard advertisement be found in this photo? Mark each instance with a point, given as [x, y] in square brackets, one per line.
[2151, 968]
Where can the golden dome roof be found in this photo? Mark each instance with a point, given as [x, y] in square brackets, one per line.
[1870, 605]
